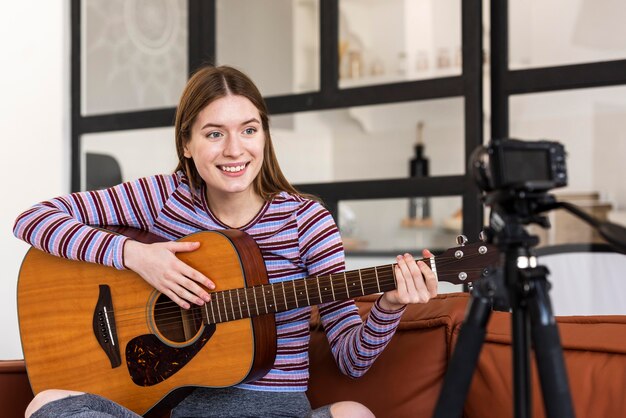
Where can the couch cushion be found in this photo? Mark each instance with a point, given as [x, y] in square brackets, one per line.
[405, 380]
[595, 356]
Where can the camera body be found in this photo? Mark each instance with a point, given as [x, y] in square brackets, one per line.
[511, 164]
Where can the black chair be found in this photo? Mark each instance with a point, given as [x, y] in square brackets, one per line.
[102, 171]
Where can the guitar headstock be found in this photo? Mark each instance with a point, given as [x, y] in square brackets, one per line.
[466, 263]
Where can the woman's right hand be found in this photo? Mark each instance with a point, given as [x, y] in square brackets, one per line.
[158, 265]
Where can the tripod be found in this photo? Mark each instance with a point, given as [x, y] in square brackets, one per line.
[521, 285]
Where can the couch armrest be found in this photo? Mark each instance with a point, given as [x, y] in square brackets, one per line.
[15, 391]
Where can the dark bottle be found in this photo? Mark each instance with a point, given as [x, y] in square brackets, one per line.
[419, 207]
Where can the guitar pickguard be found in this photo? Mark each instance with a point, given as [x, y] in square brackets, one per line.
[151, 361]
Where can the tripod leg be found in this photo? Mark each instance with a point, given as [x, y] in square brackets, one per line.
[463, 362]
[548, 351]
[521, 361]
[520, 328]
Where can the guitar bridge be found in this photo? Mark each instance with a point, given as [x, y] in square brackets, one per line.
[104, 326]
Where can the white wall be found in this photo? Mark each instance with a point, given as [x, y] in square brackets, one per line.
[34, 131]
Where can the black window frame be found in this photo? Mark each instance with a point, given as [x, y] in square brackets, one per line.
[506, 83]
[201, 48]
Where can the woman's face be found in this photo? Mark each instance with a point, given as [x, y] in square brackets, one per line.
[226, 145]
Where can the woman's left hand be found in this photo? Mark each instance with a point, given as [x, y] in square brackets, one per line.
[416, 283]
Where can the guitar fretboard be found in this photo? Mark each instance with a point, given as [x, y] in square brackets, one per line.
[233, 304]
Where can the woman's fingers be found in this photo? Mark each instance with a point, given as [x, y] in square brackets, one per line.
[158, 265]
[410, 279]
[406, 288]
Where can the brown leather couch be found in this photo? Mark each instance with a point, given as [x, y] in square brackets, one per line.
[15, 393]
[406, 379]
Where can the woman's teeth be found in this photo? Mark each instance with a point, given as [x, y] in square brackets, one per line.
[233, 169]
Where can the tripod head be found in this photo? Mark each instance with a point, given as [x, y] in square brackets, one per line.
[516, 177]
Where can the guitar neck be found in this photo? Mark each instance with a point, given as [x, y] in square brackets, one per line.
[233, 304]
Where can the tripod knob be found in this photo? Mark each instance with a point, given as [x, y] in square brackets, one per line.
[461, 240]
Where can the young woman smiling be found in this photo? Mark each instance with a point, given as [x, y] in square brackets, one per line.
[227, 177]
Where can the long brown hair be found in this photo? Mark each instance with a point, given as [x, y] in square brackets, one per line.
[206, 85]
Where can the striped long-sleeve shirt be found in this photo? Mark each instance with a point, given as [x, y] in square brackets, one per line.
[297, 237]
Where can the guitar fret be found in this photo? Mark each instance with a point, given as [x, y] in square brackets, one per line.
[284, 294]
[256, 302]
[239, 303]
[225, 307]
[218, 306]
[295, 293]
[345, 279]
[312, 289]
[326, 298]
[264, 300]
[212, 311]
[245, 292]
[274, 294]
[206, 311]
[332, 288]
[318, 288]
[232, 306]
[307, 293]
[361, 280]
[377, 281]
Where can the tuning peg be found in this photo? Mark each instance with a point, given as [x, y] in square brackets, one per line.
[482, 236]
[461, 240]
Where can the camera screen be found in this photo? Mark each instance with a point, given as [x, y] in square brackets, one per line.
[522, 165]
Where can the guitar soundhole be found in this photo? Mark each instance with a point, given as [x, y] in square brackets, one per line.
[175, 323]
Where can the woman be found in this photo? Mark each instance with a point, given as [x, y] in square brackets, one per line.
[227, 177]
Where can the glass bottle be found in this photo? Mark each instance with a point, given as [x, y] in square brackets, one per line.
[419, 207]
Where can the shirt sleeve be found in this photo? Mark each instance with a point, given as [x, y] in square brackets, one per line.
[66, 226]
[355, 343]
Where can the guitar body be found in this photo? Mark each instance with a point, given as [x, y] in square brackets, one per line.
[96, 329]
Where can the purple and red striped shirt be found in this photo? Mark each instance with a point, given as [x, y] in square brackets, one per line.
[297, 237]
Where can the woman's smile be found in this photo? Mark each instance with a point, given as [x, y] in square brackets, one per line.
[233, 170]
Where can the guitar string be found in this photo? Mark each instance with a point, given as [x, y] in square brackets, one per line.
[288, 292]
[178, 318]
[173, 313]
[364, 273]
[165, 307]
[441, 262]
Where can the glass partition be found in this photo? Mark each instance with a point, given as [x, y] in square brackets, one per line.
[590, 123]
[134, 54]
[370, 142]
[398, 40]
[275, 42]
[561, 32]
[385, 225]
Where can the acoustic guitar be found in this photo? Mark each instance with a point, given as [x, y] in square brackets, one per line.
[92, 328]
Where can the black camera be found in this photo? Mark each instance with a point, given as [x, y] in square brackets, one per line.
[511, 164]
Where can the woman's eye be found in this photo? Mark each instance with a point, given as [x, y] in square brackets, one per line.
[249, 131]
[214, 135]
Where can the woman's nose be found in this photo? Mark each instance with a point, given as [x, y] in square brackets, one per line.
[233, 147]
